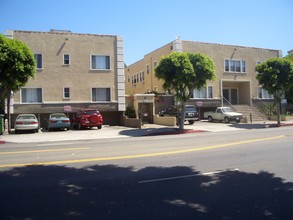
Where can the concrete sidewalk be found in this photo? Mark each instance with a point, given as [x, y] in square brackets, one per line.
[123, 132]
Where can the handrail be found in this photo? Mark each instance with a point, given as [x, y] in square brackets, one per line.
[224, 100]
[261, 107]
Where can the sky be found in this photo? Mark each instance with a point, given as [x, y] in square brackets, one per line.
[147, 25]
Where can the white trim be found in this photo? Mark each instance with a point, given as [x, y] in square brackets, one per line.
[64, 93]
[100, 55]
[69, 59]
[101, 88]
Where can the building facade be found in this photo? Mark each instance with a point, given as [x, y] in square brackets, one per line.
[74, 72]
[236, 81]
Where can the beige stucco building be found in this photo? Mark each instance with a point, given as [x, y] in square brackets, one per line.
[74, 71]
[235, 69]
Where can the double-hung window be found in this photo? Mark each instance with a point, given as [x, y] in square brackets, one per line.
[31, 95]
[99, 62]
[101, 94]
[66, 59]
[66, 93]
[264, 94]
[235, 66]
[205, 92]
[39, 60]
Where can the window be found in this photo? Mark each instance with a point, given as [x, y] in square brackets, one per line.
[141, 76]
[31, 95]
[264, 94]
[147, 68]
[101, 95]
[100, 62]
[66, 93]
[155, 64]
[235, 66]
[66, 59]
[39, 60]
[203, 93]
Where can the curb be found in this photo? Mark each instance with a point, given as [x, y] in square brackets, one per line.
[175, 131]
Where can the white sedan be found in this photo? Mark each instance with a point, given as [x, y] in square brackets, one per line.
[26, 122]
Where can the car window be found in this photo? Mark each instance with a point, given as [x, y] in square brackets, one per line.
[27, 117]
[89, 112]
[58, 116]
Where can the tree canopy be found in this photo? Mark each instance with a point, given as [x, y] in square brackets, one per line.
[184, 72]
[17, 65]
[276, 76]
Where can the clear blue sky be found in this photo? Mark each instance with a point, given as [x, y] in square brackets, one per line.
[149, 24]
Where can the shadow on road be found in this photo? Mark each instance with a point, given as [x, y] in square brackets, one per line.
[112, 192]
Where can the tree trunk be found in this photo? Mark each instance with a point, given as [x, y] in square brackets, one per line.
[8, 113]
[182, 117]
[278, 114]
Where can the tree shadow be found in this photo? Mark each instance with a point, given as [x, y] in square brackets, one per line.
[113, 192]
[250, 126]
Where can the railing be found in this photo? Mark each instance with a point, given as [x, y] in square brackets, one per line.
[225, 102]
[266, 110]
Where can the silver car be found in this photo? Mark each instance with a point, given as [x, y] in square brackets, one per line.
[26, 122]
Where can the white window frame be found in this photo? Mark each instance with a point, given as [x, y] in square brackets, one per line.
[110, 95]
[64, 92]
[36, 56]
[204, 92]
[99, 55]
[148, 68]
[264, 93]
[234, 65]
[66, 64]
[31, 102]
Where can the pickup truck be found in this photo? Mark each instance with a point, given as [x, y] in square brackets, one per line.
[191, 113]
[225, 114]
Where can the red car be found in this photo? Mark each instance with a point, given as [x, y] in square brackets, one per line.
[87, 119]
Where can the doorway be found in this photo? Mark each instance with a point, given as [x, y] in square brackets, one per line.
[231, 95]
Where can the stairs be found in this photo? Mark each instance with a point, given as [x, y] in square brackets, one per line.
[246, 110]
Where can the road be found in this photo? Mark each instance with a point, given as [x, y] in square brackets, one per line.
[225, 175]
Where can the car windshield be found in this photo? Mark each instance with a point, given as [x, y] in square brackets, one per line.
[227, 110]
[190, 108]
[58, 116]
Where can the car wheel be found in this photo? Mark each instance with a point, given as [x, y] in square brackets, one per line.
[210, 118]
[99, 126]
[16, 131]
[237, 121]
[191, 122]
[226, 120]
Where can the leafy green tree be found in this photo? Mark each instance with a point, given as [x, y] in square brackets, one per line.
[289, 94]
[17, 65]
[184, 72]
[276, 76]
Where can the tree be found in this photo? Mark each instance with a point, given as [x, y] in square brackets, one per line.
[184, 72]
[17, 65]
[289, 94]
[276, 76]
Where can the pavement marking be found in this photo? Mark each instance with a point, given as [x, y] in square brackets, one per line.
[141, 155]
[185, 176]
[43, 151]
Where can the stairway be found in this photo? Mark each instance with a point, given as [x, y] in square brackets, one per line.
[246, 110]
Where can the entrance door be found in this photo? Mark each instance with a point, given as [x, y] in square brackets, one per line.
[230, 95]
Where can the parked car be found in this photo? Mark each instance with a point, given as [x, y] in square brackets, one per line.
[225, 114]
[191, 113]
[58, 121]
[87, 119]
[26, 122]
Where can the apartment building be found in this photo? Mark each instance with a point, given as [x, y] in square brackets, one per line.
[74, 72]
[235, 69]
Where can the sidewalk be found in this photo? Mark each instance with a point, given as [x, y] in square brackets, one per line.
[123, 132]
